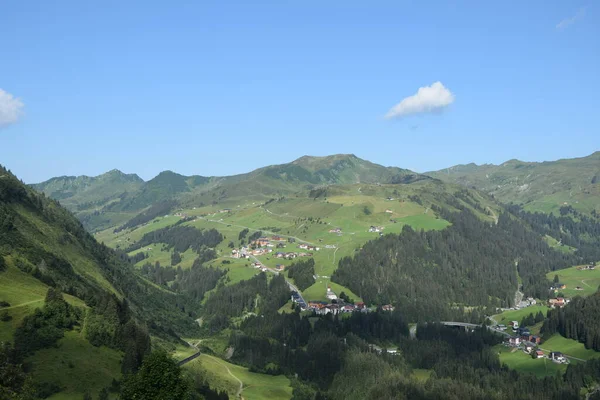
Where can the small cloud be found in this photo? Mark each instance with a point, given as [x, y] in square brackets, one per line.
[11, 109]
[414, 127]
[427, 99]
[571, 20]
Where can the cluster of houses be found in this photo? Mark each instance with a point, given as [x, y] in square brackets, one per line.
[323, 308]
[586, 267]
[558, 286]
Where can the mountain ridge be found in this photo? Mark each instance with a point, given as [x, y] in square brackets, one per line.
[544, 186]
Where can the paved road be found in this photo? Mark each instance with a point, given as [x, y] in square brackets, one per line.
[290, 284]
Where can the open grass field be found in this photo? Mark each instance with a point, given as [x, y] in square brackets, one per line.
[222, 375]
[587, 280]
[76, 366]
[517, 315]
[568, 347]
[25, 294]
[519, 361]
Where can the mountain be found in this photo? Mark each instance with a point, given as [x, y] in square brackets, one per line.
[538, 186]
[65, 299]
[112, 198]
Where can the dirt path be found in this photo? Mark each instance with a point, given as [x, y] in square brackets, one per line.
[22, 304]
[239, 392]
[583, 281]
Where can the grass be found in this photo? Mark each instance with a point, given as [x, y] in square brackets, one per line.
[569, 347]
[519, 361]
[588, 280]
[76, 366]
[221, 375]
[506, 317]
[25, 294]
[421, 374]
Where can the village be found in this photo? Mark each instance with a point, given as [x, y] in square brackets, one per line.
[264, 245]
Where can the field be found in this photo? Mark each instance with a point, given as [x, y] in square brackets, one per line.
[222, 375]
[519, 361]
[76, 366]
[568, 347]
[587, 280]
[25, 294]
[506, 317]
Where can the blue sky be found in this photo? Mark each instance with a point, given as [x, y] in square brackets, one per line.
[217, 88]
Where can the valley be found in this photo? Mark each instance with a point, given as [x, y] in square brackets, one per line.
[266, 272]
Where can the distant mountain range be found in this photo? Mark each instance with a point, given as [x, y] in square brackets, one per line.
[114, 197]
[539, 186]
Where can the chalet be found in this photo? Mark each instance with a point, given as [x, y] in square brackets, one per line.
[303, 246]
[514, 341]
[539, 354]
[557, 357]
[389, 211]
[528, 348]
[558, 286]
[312, 248]
[392, 351]
[279, 255]
[535, 339]
[335, 230]
[360, 305]
[514, 325]
[557, 302]
[277, 238]
[375, 229]
[388, 307]
[280, 267]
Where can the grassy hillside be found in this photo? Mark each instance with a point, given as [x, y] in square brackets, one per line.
[43, 246]
[539, 186]
[236, 380]
[112, 198]
[580, 282]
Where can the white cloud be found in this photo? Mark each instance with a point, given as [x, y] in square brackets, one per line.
[571, 20]
[427, 99]
[11, 109]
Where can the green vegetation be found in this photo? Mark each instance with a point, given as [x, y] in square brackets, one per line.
[222, 375]
[76, 366]
[569, 347]
[505, 317]
[543, 187]
[520, 361]
[574, 277]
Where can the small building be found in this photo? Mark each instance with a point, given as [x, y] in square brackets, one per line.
[557, 302]
[539, 354]
[557, 357]
[389, 211]
[335, 230]
[514, 341]
[388, 307]
[514, 325]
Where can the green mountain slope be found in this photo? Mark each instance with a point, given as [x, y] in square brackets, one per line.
[112, 309]
[100, 204]
[539, 186]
